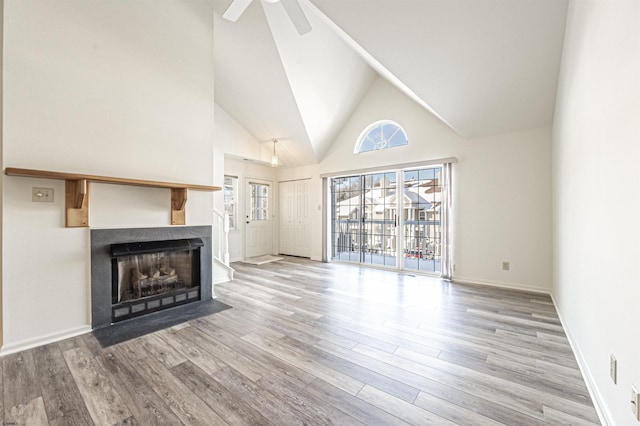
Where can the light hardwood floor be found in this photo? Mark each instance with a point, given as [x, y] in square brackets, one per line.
[318, 344]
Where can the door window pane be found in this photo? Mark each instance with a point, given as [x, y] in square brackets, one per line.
[259, 201]
[364, 222]
[345, 218]
[422, 226]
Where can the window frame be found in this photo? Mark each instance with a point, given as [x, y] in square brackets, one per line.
[367, 131]
[259, 201]
[233, 216]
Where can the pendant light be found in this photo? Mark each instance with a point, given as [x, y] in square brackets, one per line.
[275, 162]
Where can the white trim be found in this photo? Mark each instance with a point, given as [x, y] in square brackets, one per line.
[43, 340]
[505, 285]
[294, 180]
[390, 167]
[598, 401]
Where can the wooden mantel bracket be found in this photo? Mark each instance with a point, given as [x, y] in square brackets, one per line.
[77, 192]
[76, 203]
[82, 190]
[178, 203]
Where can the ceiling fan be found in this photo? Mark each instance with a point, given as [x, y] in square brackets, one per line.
[292, 7]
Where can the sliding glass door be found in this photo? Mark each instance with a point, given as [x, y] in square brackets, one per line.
[421, 225]
[364, 219]
[379, 220]
[346, 218]
[389, 219]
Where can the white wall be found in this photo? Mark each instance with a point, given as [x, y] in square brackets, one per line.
[233, 140]
[109, 88]
[595, 181]
[502, 188]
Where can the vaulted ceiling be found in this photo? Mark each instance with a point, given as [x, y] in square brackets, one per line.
[484, 67]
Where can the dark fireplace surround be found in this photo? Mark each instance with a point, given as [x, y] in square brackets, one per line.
[103, 242]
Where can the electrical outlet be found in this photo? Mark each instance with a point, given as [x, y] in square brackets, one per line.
[635, 402]
[613, 369]
[42, 195]
[505, 266]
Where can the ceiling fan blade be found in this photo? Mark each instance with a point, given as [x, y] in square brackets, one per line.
[293, 9]
[236, 9]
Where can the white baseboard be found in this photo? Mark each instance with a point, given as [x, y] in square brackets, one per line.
[603, 413]
[509, 286]
[42, 340]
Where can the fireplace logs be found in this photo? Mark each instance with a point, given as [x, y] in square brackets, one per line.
[156, 281]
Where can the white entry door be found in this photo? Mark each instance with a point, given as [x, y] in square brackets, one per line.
[258, 221]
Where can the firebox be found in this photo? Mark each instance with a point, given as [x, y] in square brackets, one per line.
[153, 275]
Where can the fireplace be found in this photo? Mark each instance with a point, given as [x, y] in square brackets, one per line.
[139, 271]
[154, 275]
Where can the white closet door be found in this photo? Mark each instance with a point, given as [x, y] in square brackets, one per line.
[287, 217]
[294, 218]
[301, 239]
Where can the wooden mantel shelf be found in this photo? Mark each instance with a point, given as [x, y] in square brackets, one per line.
[77, 192]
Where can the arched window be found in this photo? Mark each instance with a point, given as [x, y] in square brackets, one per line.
[382, 134]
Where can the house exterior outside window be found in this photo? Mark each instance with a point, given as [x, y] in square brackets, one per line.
[380, 216]
[230, 199]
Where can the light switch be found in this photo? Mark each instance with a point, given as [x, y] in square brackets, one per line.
[42, 195]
